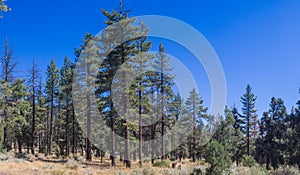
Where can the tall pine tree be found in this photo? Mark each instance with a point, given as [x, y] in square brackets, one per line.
[248, 118]
[196, 110]
[51, 90]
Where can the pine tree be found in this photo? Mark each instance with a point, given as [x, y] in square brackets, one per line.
[238, 137]
[82, 82]
[121, 28]
[85, 76]
[8, 64]
[196, 110]
[164, 83]
[106, 73]
[153, 77]
[34, 75]
[269, 146]
[217, 157]
[175, 112]
[51, 89]
[66, 80]
[19, 121]
[248, 118]
[41, 113]
[140, 89]
[292, 141]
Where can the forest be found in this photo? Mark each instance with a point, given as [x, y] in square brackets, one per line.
[43, 121]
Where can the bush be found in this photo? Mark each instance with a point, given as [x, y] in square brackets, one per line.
[285, 171]
[57, 152]
[172, 158]
[10, 157]
[248, 161]
[183, 171]
[72, 164]
[162, 164]
[79, 159]
[58, 172]
[217, 157]
[3, 157]
[30, 157]
[255, 170]
[149, 171]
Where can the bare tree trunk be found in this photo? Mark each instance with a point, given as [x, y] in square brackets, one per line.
[113, 144]
[67, 130]
[33, 119]
[51, 124]
[88, 120]
[40, 142]
[33, 78]
[140, 125]
[73, 130]
[163, 152]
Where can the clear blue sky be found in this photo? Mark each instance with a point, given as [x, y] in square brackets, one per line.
[257, 41]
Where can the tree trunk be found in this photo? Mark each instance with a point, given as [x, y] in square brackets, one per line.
[73, 130]
[88, 120]
[5, 130]
[51, 124]
[67, 130]
[40, 142]
[140, 127]
[163, 152]
[113, 145]
[20, 146]
[33, 112]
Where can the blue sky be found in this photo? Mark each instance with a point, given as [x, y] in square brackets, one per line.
[258, 42]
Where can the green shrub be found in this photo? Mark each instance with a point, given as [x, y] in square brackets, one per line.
[149, 171]
[172, 158]
[217, 157]
[248, 161]
[58, 172]
[57, 152]
[162, 164]
[184, 171]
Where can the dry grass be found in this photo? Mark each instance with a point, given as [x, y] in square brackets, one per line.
[43, 168]
[72, 167]
[13, 166]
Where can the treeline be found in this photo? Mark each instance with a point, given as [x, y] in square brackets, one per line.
[40, 116]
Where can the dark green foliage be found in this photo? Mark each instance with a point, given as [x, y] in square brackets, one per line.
[293, 137]
[248, 161]
[230, 136]
[196, 110]
[130, 41]
[217, 157]
[66, 104]
[162, 164]
[273, 126]
[163, 80]
[51, 91]
[249, 119]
